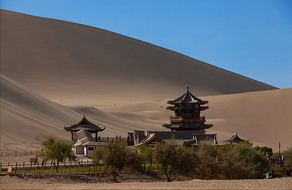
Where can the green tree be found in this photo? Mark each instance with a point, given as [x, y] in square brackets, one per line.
[187, 161]
[115, 156]
[243, 161]
[174, 160]
[268, 152]
[207, 164]
[56, 151]
[147, 153]
[288, 157]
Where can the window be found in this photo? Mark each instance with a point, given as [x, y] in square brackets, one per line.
[90, 148]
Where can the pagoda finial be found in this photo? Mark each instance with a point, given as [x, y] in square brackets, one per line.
[187, 87]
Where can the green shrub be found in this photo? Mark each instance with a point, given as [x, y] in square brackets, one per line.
[288, 157]
[115, 156]
[244, 162]
[56, 151]
[207, 164]
[146, 153]
[174, 160]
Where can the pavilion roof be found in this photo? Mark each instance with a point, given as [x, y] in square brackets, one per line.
[84, 124]
[235, 138]
[187, 98]
[188, 126]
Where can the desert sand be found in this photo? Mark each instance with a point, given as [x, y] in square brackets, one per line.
[61, 183]
[27, 117]
[69, 62]
[53, 72]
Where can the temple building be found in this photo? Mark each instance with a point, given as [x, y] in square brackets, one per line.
[234, 139]
[85, 138]
[187, 127]
[187, 109]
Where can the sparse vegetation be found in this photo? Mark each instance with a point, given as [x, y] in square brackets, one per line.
[207, 166]
[147, 154]
[174, 160]
[243, 162]
[288, 157]
[115, 156]
[205, 161]
[56, 151]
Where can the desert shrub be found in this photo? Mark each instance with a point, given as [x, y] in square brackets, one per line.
[166, 156]
[115, 156]
[146, 153]
[268, 152]
[222, 151]
[56, 151]
[187, 161]
[134, 162]
[243, 162]
[207, 161]
[288, 157]
[174, 160]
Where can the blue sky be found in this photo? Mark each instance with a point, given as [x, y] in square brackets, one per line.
[249, 37]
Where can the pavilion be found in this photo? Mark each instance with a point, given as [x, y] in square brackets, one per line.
[187, 126]
[84, 135]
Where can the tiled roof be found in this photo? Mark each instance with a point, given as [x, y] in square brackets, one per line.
[85, 125]
[187, 98]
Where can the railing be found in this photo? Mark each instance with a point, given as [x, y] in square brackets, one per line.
[110, 139]
[19, 153]
[180, 119]
[65, 168]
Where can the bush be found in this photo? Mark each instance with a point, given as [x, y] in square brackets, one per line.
[146, 153]
[174, 160]
[56, 151]
[243, 162]
[115, 156]
[268, 152]
[288, 157]
[207, 164]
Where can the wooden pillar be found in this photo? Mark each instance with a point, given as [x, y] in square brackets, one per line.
[96, 136]
[23, 169]
[69, 167]
[83, 167]
[15, 168]
[51, 168]
[88, 167]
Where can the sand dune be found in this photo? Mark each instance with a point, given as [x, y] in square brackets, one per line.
[67, 62]
[262, 117]
[118, 82]
[26, 117]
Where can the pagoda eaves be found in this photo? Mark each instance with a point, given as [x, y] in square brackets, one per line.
[187, 108]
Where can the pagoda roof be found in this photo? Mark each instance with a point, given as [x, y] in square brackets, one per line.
[84, 124]
[187, 127]
[187, 98]
[202, 108]
[235, 138]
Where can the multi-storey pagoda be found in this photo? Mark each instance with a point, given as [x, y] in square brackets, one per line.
[187, 126]
[187, 109]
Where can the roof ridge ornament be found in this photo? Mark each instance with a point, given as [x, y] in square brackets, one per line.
[187, 87]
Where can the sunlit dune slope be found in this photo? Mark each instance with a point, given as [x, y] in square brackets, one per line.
[66, 62]
[27, 117]
[262, 117]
